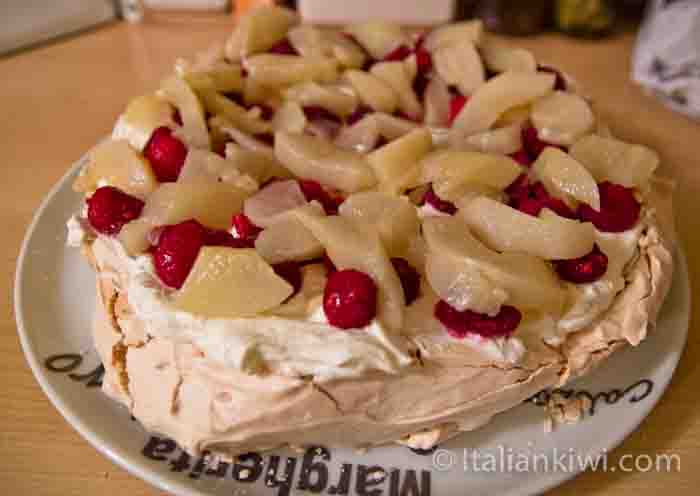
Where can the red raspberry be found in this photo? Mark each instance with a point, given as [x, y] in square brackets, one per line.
[588, 268]
[244, 228]
[531, 198]
[410, 279]
[423, 60]
[532, 143]
[399, 53]
[350, 299]
[177, 250]
[456, 105]
[460, 324]
[166, 154]
[437, 203]
[360, 112]
[314, 191]
[290, 272]
[110, 208]
[225, 238]
[521, 157]
[619, 209]
[283, 48]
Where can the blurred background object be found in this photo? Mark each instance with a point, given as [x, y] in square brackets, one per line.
[425, 12]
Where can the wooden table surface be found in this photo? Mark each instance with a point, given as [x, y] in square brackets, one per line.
[58, 100]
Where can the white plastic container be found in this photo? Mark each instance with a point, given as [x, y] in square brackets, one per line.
[410, 12]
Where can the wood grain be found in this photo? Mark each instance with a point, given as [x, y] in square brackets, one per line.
[59, 99]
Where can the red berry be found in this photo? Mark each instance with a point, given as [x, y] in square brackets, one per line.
[267, 138]
[619, 209]
[456, 105]
[350, 299]
[290, 272]
[437, 203]
[360, 112]
[531, 198]
[521, 157]
[460, 324]
[109, 209]
[559, 82]
[283, 48]
[410, 279]
[177, 250]
[225, 238]
[166, 154]
[588, 268]
[532, 143]
[399, 53]
[244, 229]
[423, 60]
[314, 191]
[316, 113]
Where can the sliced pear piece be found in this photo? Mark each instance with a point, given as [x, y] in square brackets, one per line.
[290, 118]
[501, 58]
[337, 99]
[459, 64]
[310, 41]
[451, 170]
[212, 204]
[399, 76]
[287, 239]
[203, 165]
[437, 103]
[564, 177]
[256, 93]
[267, 205]
[397, 164]
[246, 141]
[314, 158]
[506, 229]
[530, 283]
[561, 118]
[143, 115]
[515, 115]
[228, 283]
[373, 91]
[351, 246]
[345, 51]
[609, 159]
[392, 127]
[394, 218]
[377, 37]
[496, 96]
[454, 33]
[503, 140]
[194, 126]
[259, 166]
[221, 76]
[216, 103]
[259, 31]
[117, 164]
[276, 71]
[362, 137]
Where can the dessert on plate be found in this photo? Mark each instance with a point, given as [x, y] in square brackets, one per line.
[351, 237]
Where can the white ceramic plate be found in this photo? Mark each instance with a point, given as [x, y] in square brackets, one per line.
[54, 296]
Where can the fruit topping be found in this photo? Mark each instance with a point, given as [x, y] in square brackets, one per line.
[562, 118]
[565, 178]
[244, 229]
[430, 198]
[586, 269]
[397, 164]
[461, 324]
[372, 91]
[457, 103]
[531, 198]
[272, 201]
[290, 272]
[283, 47]
[619, 209]
[399, 53]
[350, 299]
[176, 251]
[109, 209]
[410, 279]
[313, 190]
[166, 155]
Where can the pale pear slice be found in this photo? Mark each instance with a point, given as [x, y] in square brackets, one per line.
[437, 103]
[397, 164]
[142, 116]
[194, 126]
[228, 283]
[394, 218]
[212, 204]
[277, 71]
[311, 41]
[267, 205]
[564, 177]
[450, 170]
[309, 298]
[503, 140]
[259, 31]
[217, 104]
[308, 41]
[459, 64]
[362, 137]
[259, 166]
[392, 127]
[372, 91]
[203, 165]
[222, 77]
[506, 229]
[516, 115]
[246, 141]
[377, 37]
[287, 239]
[496, 96]
[399, 76]
[454, 33]
[256, 93]
[290, 118]
[345, 51]
[334, 98]
[501, 58]
[350, 246]
[529, 282]
[609, 159]
[309, 157]
[117, 164]
[561, 118]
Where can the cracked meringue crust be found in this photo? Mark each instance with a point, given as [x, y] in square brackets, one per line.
[174, 389]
